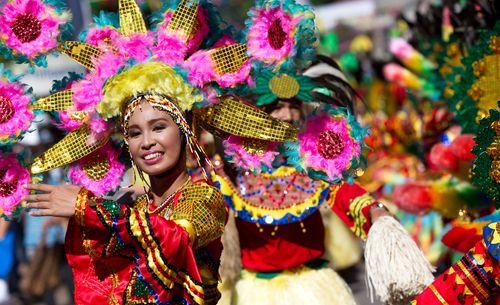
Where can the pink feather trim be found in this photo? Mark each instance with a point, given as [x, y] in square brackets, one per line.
[98, 129]
[170, 49]
[14, 176]
[245, 160]
[226, 40]
[110, 181]
[88, 92]
[210, 95]
[201, 68]
[104, 38]
[136, 46]
[171, 46]
[231, 79]
[66, 122]
[21, 118]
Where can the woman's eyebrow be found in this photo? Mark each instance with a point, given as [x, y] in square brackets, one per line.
[150, 122]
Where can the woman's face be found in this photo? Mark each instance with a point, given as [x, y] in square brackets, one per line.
[287, 112]
[154, 140]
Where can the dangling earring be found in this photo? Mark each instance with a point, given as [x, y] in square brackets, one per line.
[134, 178]
[133, 165]
[141, 175]
[196, 149]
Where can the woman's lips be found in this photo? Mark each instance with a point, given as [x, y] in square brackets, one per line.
[152, 158]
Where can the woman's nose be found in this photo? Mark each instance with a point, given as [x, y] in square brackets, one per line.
[148, 141]
[286, 114]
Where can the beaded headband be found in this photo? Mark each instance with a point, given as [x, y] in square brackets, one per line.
[163, 103]
[159, 102]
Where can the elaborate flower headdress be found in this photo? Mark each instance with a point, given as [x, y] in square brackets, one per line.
[329, 145]
[126, 63]
[281, 34]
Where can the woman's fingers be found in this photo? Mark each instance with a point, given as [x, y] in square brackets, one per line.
[37, 197]
[40, 187]
[39, 205]
[42, 212]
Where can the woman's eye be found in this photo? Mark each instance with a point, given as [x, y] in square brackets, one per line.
[158, 128]
[133, 134]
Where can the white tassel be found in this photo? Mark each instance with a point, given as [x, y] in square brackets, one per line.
[396, 269]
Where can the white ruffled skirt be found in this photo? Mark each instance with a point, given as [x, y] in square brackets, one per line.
[299, 286]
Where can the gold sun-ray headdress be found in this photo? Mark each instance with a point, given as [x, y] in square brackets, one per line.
[132, 61]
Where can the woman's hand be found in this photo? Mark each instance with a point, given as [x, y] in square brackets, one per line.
[377, 211]
[52, 200]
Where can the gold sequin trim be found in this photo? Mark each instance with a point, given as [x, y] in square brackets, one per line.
[97, 167]
[79, 116]
[184, 20]
[472, 280]
[81, 202]
[438, 295]
[494, 152]
[202, 206]
[80, 52]
[284, 86]
[62, 100]
[167, 276]
[254, 146]
[229, 59]
[82, 199]
[131, 20]
[232, 117]
[71, 148]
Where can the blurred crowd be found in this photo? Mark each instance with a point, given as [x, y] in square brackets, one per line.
[33, 267]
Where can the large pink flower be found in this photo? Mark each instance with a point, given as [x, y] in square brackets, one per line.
[262, 153]
[99, 172]
[326, 145]
[271, 35]
[29, 27]
[12, 178]
[15, 117]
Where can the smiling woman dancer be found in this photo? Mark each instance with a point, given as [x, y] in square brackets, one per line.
[165, 246]
[140, 86]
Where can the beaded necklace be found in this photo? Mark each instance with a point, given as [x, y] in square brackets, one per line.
[268, 193]
[167, 200]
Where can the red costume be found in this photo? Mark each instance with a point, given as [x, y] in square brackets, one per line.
[474, 279]
[127, 255]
